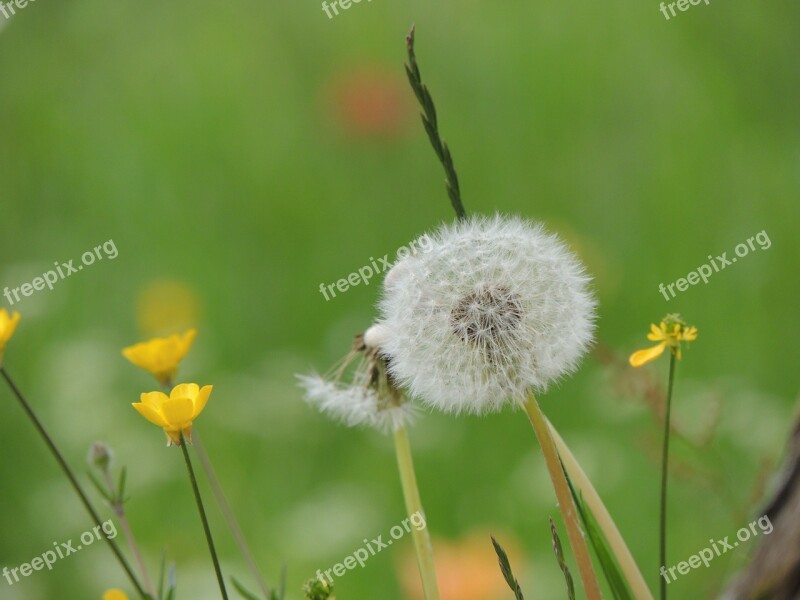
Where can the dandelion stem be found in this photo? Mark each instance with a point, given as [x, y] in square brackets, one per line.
[422, 539]
[565, 501]
[615, 540]
[72, 479]
[664, 474]
[431, 124]
[203, 518]
[227, 511]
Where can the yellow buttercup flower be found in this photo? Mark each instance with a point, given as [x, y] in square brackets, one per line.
[176, 412]
[115, 594]
[161, 356]
[8, 324]
[671, 332]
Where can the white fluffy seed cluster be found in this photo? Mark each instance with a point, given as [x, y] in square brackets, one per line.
[497, 305]
[355, 405]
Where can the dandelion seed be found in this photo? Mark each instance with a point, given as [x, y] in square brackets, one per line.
[375, 336]
[368, 400]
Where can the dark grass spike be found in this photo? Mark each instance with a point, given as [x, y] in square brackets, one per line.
[505, 567]
[559, 552]
[431, 124]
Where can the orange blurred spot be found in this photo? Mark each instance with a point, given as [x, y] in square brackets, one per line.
[466, 570]
[370, 102]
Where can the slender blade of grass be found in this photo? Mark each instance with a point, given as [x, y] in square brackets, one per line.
[610, 567]
[243, 590]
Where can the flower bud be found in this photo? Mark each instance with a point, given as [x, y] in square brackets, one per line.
[318, 589]
[100, 456]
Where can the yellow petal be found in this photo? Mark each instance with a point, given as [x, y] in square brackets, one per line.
[115, 594]
[8, 324]
[201, 399]
[161, 356]
[150, 413]
[656, 334]
[178, 412]
[135, 354]
[641, 357]
[188, 340]
[6, 318]
[154, 399]
[185, 390]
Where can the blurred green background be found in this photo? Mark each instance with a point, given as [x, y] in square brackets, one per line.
[241, 153]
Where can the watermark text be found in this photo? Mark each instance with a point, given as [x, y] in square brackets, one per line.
[60, 551]
[367, 272]
[718, 548]
[61, 271]
[371, 548]
[715, 265]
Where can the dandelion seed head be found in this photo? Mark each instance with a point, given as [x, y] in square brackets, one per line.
[496, 305]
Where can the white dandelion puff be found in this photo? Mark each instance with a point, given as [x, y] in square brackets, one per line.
[356, 406]
[493, 307]
[350, 405]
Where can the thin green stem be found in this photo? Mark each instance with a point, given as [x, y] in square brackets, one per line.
[431, 124]
[119, 508]
[227, 512]
[224, 505]
[203, 518]
[72, 479]
[664, 473]
[422, 539]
